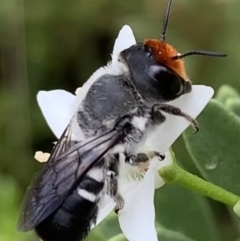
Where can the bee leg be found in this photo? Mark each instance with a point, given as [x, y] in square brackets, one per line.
[158, 117]
[142, 160]
[135, 160]
[158, 154]
[113, 187]
[120, 203]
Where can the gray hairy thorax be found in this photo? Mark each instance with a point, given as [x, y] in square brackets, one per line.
[109, 98]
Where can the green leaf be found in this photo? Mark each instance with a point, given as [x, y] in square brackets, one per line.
[119, 237]
[225, 92]
[233, 104]
[235, 219]
[9, 211]
[183, 211]
[215, 149]
[169, 235]
[108, 228]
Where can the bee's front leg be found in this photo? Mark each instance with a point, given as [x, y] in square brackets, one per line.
[158, 118]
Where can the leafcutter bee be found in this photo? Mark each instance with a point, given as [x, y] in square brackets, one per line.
[124, 102]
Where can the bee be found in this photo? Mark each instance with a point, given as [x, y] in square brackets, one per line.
[123, 104]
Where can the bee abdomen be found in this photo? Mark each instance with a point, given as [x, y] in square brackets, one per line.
[73, 219]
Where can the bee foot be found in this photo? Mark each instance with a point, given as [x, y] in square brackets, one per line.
[120, 203]
[160, 155]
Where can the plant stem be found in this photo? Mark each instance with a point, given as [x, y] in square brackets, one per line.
[175, 174]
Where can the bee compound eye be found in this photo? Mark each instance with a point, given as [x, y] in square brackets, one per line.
[160, 73]
[169, 83]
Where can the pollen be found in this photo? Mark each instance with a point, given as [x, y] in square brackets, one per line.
[164, 54]
[41, 157]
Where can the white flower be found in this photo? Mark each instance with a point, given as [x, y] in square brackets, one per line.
[137, 219]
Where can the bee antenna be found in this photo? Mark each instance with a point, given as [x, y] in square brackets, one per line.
[165, 21]
[199, 52]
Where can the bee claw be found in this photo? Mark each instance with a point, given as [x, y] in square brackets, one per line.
[160, 155]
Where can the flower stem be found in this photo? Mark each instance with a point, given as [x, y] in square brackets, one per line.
[175, 174]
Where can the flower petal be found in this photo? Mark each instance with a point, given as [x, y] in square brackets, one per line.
[124, 40]
[137, 219]
[192, 104]
[58, 107]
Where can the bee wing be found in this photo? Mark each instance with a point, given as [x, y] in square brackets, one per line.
[68, 163]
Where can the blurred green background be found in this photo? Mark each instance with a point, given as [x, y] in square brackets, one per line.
[58, 44]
